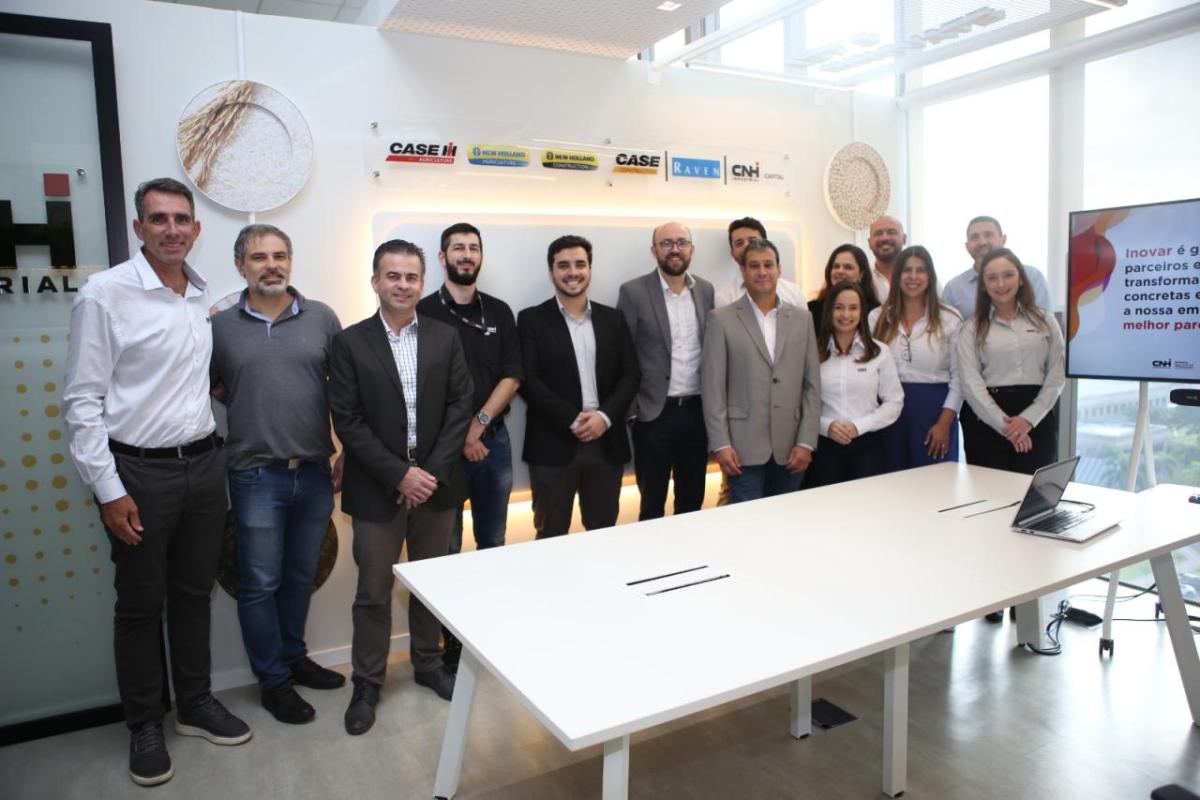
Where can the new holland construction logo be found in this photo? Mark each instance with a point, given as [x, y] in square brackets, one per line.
[570, 159]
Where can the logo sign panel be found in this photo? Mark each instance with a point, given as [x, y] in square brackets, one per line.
[707, 168]
[405, 152]
[498, 155]
[570, 159]
[637, 164]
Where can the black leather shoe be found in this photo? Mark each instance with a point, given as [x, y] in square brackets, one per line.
[286, 705]
[441, 680]
[360, 715]
[307, 672]
[452, 654]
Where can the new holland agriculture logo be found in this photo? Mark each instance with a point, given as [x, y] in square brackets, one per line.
[695, 168]
[569, 159]
[498, 155]
[422, 152]
[637, 164]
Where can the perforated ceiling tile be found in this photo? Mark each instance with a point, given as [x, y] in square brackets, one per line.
[613, 28]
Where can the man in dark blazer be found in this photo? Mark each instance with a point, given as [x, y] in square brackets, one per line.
[761, 383]
[581, 374]
[400, 395]
[666, 312]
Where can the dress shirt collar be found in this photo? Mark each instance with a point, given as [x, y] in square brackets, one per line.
[291, 311]
[856, 347]
[995, 317]
[407, 329]
[587, 311]
[688, 281]
[151, 281]
[758, 312]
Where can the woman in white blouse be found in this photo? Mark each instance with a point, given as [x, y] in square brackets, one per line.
[921, 332]
[860, 391]
[1010, 359]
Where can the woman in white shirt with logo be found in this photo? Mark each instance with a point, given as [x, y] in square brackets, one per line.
[860, 391]
[1011, 360]
[921, 332]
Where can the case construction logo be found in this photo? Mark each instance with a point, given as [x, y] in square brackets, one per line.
[637, 164]
[422, 153]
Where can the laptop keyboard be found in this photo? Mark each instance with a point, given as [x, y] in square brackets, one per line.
[1059, 521]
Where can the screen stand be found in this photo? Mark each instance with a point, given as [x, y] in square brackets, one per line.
[1141, 437]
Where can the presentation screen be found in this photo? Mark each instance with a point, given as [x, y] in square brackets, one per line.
[1133, 293]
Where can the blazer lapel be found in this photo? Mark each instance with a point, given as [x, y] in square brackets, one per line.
[750, 323]
[562, 334]
[425, 356]
[377, 339]
[659, 304]
[783, 327]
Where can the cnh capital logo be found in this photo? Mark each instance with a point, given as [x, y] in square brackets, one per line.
[57, 232]
[1161, 363]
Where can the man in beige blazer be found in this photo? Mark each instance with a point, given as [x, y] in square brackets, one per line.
[761, 384]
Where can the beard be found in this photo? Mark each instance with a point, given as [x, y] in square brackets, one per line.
[462, 278]
[270, 289]
[665, 265]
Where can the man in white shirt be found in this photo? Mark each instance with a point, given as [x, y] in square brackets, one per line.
[741, 233]
[983, 236]
[761, 384]
[886, 240]
[666, 311]
[142, 435]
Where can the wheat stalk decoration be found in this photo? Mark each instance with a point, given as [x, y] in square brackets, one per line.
[204, 133]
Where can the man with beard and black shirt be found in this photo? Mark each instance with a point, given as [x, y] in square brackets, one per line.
[488, 334]
[886, 241]
[666, 311]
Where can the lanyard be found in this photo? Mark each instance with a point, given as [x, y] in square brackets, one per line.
[482, 325]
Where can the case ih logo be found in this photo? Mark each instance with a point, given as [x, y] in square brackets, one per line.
[422, 153]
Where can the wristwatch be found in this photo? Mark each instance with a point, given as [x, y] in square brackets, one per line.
[483, 418]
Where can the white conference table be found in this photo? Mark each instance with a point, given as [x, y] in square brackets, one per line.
[560, 625]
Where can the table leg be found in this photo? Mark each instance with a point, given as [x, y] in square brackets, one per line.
[1179, 628]
[895, 720]
[454, 741]
[801, 723]
[1029, 621]
[616, 769]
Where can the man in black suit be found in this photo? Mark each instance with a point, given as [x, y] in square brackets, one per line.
[581, 374]
[400, 397]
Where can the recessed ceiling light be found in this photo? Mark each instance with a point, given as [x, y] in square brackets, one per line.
[667, 5]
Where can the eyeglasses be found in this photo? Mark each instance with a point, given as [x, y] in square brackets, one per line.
[907, 354]
[674, 244]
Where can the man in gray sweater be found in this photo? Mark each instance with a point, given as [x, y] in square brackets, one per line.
[270, 365]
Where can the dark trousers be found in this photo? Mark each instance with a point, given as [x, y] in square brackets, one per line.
[377, 547]
[986, 448]
[674, 442]
[590, 474]
[181, 503]
[835, 463]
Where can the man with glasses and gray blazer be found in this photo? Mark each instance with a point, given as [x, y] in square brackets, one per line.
[666, 312]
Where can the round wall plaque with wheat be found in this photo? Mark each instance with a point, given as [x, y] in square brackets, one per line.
[245, 145]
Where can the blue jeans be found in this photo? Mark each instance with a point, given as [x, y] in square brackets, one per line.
[489, 484]
[281, 517]
[762, 480]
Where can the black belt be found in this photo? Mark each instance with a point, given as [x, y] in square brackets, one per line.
[684, 400]
[183, 451]
[290, 463]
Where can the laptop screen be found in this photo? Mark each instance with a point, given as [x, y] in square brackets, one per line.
[1046, 489]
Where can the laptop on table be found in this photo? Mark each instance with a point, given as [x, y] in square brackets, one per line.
[1044, 513]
